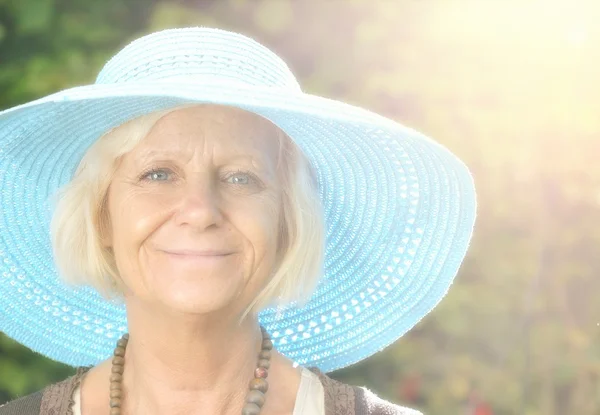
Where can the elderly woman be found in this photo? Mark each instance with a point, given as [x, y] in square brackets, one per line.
[246, 237]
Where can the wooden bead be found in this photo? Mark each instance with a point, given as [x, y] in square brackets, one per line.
[264, 363]
[122, 343]
[261, 372]
[116, 393]
[115, 403]
[251, 409]
[259, 384]
[120, 351]
[267, 344]
[118, 360]
[125, 336]
[115, 411]
[116, 377]
[117, 369]
[256, 397]
[264, 354]
[115, 386]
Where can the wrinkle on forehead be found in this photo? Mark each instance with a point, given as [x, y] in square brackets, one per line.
[224, 132]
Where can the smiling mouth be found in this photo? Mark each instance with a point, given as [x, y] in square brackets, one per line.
[198, 256]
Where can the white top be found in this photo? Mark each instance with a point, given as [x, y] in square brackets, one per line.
[310, 399]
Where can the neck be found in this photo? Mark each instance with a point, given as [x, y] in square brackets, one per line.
[188, 364]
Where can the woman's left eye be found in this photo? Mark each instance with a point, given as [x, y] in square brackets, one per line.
[239, 178]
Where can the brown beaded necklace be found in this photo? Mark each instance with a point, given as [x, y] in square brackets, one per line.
[255, 399]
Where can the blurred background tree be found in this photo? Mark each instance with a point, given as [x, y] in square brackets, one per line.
[512, 87]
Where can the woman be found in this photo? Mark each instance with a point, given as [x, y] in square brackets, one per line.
[218, 210]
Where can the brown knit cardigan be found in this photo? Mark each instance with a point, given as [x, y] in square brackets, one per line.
[340, 399]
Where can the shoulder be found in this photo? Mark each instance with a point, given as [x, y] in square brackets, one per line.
[343, 399]
[27, 405]
[369, 403]
[54, 399]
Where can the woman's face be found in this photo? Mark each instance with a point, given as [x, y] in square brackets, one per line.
[195, 210]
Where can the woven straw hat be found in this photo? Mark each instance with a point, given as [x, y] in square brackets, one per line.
[399, 208]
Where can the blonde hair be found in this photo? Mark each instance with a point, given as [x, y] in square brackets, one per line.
[80, 220]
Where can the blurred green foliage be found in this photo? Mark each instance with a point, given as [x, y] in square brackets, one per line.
[512, 87]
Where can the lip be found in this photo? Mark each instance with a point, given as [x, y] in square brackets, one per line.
[194, 258]
[197, 253]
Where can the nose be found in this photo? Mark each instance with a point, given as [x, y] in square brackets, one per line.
[200, 206]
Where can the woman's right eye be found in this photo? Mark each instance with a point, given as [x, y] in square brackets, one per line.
[157, 175]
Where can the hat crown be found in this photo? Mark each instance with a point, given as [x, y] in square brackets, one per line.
[198, 55]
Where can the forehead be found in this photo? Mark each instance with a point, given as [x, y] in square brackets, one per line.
[229, 129]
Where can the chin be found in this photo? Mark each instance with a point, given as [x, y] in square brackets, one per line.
[200, 298]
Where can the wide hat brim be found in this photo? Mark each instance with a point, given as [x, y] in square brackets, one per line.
[399, 212]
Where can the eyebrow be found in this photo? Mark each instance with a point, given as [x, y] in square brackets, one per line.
[150, 154]
[167, 155]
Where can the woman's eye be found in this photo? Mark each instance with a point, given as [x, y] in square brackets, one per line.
[239, 178]
[157, 175]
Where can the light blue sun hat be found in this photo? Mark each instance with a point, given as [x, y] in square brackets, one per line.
[399, 208]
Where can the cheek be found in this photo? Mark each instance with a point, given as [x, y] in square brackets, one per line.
[260, 226]
[135, 212]
[129, 218]
[133, 219]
